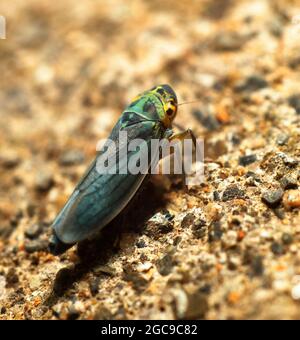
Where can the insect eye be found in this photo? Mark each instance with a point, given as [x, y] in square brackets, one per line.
[170, 112]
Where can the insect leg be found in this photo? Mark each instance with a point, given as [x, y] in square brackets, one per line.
[180, 137]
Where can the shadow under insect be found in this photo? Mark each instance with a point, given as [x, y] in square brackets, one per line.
[99, 250]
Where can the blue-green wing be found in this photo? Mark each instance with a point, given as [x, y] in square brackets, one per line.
[100, 197]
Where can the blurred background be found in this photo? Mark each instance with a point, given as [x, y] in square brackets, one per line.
[68, 69]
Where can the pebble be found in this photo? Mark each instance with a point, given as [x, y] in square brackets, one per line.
[289, 182]
[230, 239]
[287, 238]
[257, 265]
[291, 199]
[72, 157]
[9, 161]
[165, 265]
[229, 41]
[189, 306]
[251, 84]
[44, 181]
[247, 160]
[35, 245]
[232, 192]
[294, 102]
[273, 198]
[139, 283]
[277, 248]
[188, 220]
[215, 232]
[12, 277]
[199, 228]
[282, 139]
[209, 121]
[33, 231]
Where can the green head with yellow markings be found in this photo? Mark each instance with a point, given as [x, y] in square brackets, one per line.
[157, 104]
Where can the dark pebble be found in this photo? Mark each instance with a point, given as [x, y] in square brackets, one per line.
[71, 157]
[199, 228]
[289, 182]
[11, 277]
[232, 192]
[216, 196]
[215, 232]
[33, 231]
[257, 265]
[272, 198]
[9, 162]
[165, 265]
[188, 220]
[277, 248]
[36, 245]
[141, 244]
[138, 282]
[287, 238]
[251, 84]
[294, 101]
[207, 120]
[247, 160]
[94, 285]
[282, 139]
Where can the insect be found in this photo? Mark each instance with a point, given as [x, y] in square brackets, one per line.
[100, 197]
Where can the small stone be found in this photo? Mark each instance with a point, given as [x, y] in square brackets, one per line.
[35, 282]
[199, 228]
[257, 265]
[287, 238]
[277, 248]
[229, 41]
[207, 120]
[294, 102]
[232, 192]
[33, 231]
[141, 244]
[216, 232]
[11, 277]
[251, 84]
[247, 160]
[165, 265]
[187, 220]
[9, 161]
[272, 198]
[282, 139]
[189, 306]
[44, 181]
[72, 157]
[291, 199]
[289, 182]
[139, 283]
[230, 239]
[36, 245]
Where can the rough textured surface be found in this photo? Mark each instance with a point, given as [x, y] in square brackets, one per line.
[231, 250]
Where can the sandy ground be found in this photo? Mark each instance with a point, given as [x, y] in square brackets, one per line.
[228, 249]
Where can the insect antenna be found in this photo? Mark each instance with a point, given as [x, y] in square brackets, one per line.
[189, 102]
